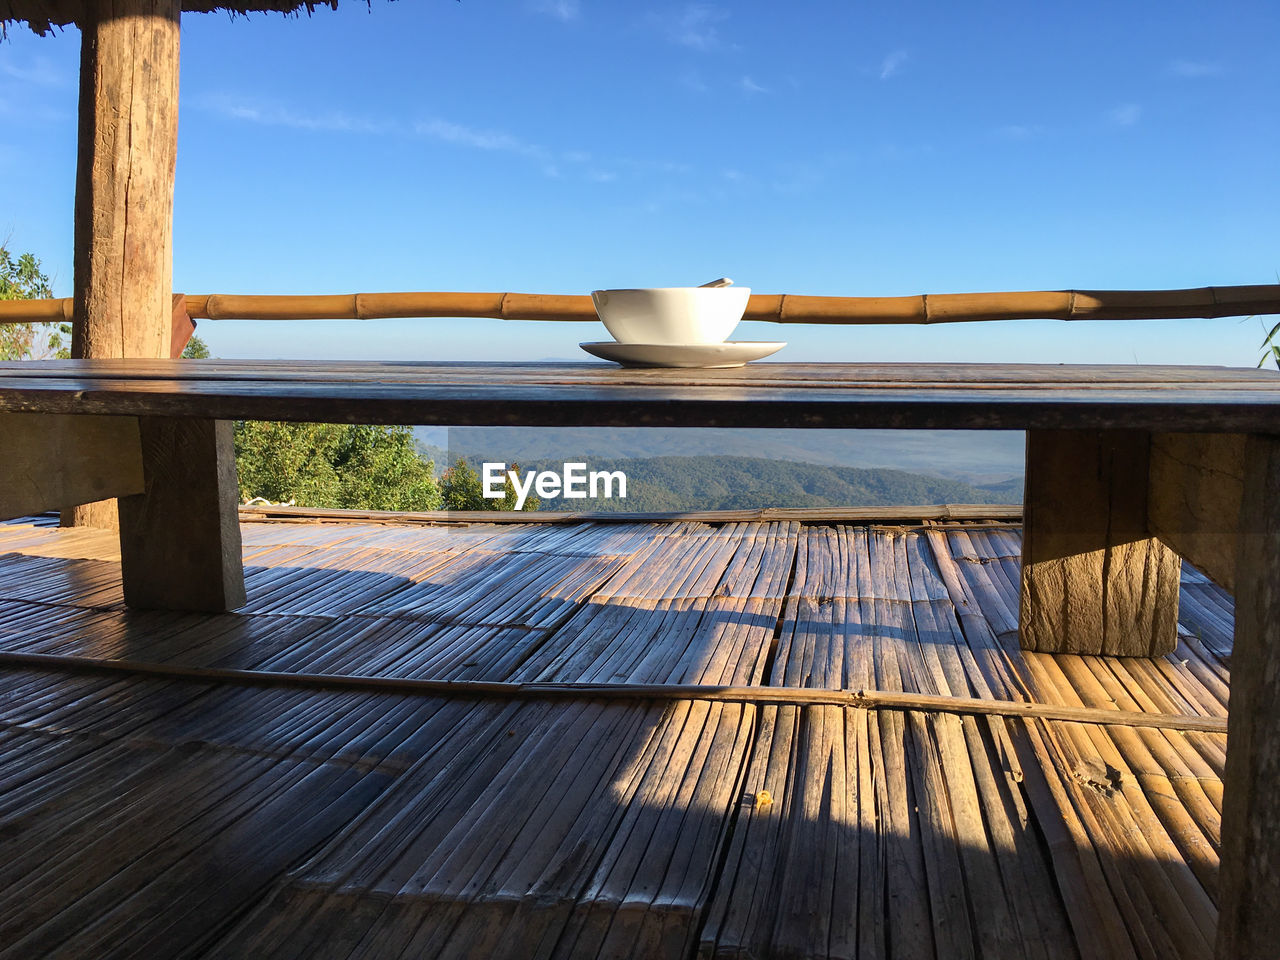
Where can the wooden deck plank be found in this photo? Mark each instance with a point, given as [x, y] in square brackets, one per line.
[411, 825]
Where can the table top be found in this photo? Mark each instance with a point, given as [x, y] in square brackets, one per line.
[938, 396]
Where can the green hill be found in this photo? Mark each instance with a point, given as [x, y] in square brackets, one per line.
[975, 456]
[674, 484]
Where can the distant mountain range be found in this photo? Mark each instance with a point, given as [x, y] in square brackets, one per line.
[976, 457]
[669, 484]
[677, 484]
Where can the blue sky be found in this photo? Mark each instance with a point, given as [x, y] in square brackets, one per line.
[816, 148]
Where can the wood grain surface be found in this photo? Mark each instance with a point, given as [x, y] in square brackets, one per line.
[1196, 483]
[53, 463]
[179, 537]
[1094, 580]
[978, 396]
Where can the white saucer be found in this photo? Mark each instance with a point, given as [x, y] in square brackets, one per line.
[728, 354]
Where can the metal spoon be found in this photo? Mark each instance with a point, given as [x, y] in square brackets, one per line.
[722, 282]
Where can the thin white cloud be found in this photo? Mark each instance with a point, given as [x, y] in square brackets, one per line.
[750, 86]
[1125, 115]
[39, 72]
[693, 81]
[1020, 131]
[663, 167]
[695, 26]
[25, 112]
[1195, 69]
[802, 177]
[563, 10]
[892, 64]
[465, 136]
[275, 115]
[552, 163]
[891, 150]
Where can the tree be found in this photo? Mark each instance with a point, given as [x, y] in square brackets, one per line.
[22, 279]
[334, 465]
[379, 469]
[462, 489]
[196, 349]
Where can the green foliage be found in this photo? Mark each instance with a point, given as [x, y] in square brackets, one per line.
[334, 465]
[283, 462]
[461, 488]
[22, 279]
[380, 470]
[15, 341]
[196, 349]
[59, 343]
[1270, 348]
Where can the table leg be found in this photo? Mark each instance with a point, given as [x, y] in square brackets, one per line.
[180, 539]
[1094, 580]
[1249, 922]
[1193, 504]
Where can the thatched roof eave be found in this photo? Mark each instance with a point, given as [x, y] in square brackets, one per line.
[44, 15]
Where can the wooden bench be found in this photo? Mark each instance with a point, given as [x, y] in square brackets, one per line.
[1128, 468]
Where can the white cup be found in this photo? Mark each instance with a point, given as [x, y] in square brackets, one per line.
[671, 315]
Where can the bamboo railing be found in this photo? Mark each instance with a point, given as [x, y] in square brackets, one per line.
[1196, 302]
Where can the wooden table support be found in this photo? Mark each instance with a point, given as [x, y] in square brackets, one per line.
[1094, 580]
[59, 461]
[1197, 481]
[1249, 921]
[180, 539]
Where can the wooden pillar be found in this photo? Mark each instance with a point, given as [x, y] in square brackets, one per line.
[1094, 580]
[124, 187]
[1249, 921]
[180, 539]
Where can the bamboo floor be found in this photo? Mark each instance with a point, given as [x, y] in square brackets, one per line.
[211, 816]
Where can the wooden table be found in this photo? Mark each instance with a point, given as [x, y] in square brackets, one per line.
[1128, 468]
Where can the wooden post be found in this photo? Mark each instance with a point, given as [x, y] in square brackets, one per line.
[180, 540]
[1093, 578]
[124, 188]
[1249, 923]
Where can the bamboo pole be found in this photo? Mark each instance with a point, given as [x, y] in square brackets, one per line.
[1194, 303]
[37, 311]
[502, 689]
